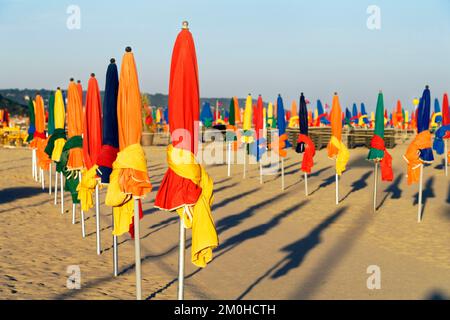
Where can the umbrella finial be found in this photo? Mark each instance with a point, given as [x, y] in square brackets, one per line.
[381, 91]
[335, 94]
[78, 81]
[93, 75]
[427, 87]
[112, 60]
[185, 25]
[58, 88]
[71, 79]
[128, 49]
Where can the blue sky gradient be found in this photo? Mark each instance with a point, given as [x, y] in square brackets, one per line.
[263, 47]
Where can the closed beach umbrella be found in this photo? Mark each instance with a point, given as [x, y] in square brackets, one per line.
[247, 136]
[92, 142]
[364, 116]
[40, 137]
[32, 124]
[378, 150]
[110, 131]
[206, 116]
[305, 144]
[281, 124]
[231, 115]
[129, 178]
[57, 140]
[336, 149]
[259, 126]
[92, 145]
[237, 111]
[419, 151]
[74, 127]
[51, 114]
[354, 117]
[186, 187]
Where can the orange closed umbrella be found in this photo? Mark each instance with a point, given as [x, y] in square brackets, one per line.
[74, 126]
[129, 179]
[39, 135]
[92, 142]
[336, 149]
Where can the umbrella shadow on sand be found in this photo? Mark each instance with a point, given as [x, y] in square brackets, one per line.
[325, 182]
[233, 242]
[427, 193]
[393, 190]
[359, 184]
[296, 252]
[17, 193]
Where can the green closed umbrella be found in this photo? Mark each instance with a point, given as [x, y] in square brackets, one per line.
[51, 116]
[231, 116]
[376, 154]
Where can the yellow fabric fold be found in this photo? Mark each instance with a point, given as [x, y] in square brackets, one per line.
[86, 187]
[132, 157]
[198, 217]
[57, 149]
[343, 155]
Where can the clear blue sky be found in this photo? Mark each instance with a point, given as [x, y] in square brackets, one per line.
[257, 46]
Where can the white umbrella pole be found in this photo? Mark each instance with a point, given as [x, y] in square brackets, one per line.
[229, 158]
[375, 187]
[137, 250]
[419, 209]
[83, 228]
[97, 219]
[32, 163]
[73, 213]
[115, 251]
[446, 158]
[337, 189]
[282, 173]
[181, 261]
[62, 191]
[42, 178]
[260, 172]
[56, 187]
[245, 161]
[306, 183]
[50, 179]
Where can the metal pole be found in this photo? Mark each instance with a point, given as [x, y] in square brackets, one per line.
[419, 210]
[245, 161]
[62, 191]
[337, 189]
[42, 178]
[50, 179]
[260, 172]
[282, 173]
[83, 228]
[137, 250]
[56, 187]
[73, 213]
[32, 163]
[97, 219]
[306, 183]
[181, 261]
[375, 187]
[115, 251]
[229, 158]
[446, 158]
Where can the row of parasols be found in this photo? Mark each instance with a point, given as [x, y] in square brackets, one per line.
[399, 118]
[101, 149]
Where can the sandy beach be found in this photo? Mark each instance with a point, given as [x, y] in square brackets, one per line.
[273, 244]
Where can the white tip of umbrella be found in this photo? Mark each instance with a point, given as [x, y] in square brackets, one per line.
[185, 25]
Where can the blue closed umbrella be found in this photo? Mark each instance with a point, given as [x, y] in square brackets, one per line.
[206, 116]
[364, 113]
[281, 119]
[423, 123]
[321, 112]
[437, 109]
[110, 131]
[354, 117]
[166, 115]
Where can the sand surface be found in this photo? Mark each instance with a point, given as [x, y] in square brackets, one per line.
[273, 244]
